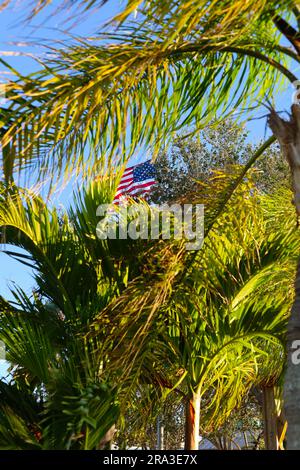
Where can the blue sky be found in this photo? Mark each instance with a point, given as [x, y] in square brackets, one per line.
[13, 29]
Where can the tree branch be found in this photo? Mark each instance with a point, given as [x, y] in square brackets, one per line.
[288, 31]
[237, 50]
[296, 11]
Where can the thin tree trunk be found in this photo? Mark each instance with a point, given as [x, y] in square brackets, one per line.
[288, 134]
[192, 422]
[281, 429]
[246, 440]
[270, 418]
[159, 434]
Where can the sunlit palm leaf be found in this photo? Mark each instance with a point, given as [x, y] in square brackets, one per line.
[99, 101]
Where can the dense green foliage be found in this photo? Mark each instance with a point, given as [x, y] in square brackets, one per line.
[192, 160]
[114, 329]
[99, 338]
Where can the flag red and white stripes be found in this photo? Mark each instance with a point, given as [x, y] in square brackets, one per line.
[136, 180]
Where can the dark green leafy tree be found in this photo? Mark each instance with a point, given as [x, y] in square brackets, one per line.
[192, 160]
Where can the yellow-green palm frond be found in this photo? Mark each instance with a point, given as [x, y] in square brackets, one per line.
[95, 103]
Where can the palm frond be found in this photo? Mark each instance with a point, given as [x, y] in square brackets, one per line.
[96, 103]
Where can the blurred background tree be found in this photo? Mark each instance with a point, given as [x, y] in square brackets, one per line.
[191, 160]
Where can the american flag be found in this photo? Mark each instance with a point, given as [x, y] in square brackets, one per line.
[136, 180]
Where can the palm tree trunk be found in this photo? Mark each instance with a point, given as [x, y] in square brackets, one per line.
[288, 134]
[292, 377]
[270, 418]
[192, 422]
[281, 429]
